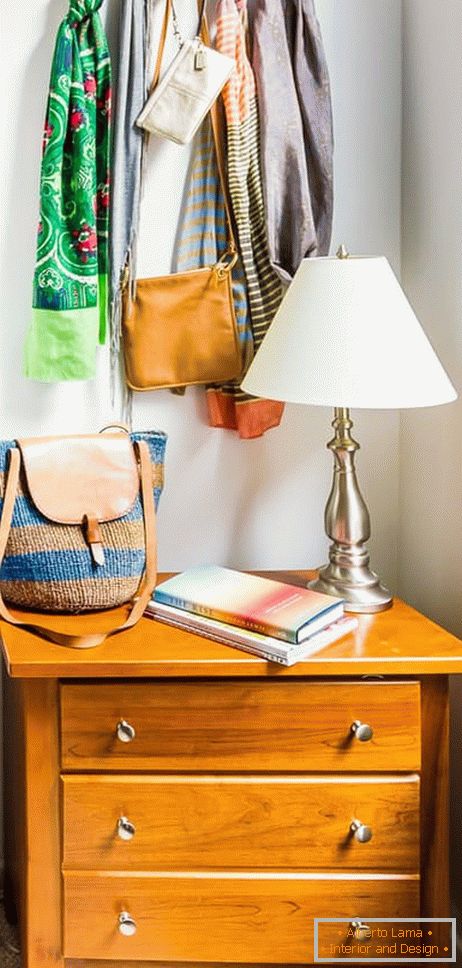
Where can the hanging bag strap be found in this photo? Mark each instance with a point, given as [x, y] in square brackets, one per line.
[160, 52]
[216, 122]
[218, 140]
[221, 167]
[168, 10]
[150, 574]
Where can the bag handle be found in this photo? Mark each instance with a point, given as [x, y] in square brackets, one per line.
[203, 32]
[150, 574]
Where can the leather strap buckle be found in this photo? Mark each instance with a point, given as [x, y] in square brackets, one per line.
[226, 263]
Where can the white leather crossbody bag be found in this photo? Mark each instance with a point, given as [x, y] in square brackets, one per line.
[178, 104]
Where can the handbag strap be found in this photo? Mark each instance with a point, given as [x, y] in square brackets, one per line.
[160, 52]
[150, 574]
[215, 116]
[168, 10]
[217, 131]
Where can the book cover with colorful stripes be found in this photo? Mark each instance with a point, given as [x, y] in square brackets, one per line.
[275, 608]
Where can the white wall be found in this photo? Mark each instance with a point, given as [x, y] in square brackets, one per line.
[243, 503]
[252, 503]
[430, 547]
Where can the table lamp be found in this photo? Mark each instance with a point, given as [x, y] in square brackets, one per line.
[346, 336]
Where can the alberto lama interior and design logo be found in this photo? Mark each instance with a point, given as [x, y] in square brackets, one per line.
[384, 940]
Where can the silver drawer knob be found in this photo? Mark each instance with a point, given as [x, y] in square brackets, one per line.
[125, 829]
[125, 732]
[362, 731]
[362, 833]
[361, 930]
[127, 925]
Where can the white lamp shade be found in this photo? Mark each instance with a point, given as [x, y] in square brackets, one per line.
[346, 336]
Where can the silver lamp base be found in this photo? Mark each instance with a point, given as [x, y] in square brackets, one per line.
[366, 595]
[348, 526]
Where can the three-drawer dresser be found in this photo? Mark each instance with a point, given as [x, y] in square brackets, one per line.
[171, 801]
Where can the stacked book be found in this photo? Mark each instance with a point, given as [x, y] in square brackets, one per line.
[276, 621]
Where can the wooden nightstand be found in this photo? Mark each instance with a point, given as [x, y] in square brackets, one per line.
[171, 800]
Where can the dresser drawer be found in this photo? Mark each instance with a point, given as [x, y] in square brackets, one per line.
[200, 823]
[235, 726]
[220, 919]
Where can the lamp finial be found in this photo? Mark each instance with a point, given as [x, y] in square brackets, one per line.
[342, 252]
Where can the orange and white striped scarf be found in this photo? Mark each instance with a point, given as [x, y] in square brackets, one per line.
[231, 408]
[228, 405]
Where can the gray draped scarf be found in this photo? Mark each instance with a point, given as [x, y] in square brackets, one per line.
[295, 129]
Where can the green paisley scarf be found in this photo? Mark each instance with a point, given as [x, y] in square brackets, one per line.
[70, 281]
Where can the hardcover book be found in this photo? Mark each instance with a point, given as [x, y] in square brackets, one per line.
[270, 607]
[263, 646]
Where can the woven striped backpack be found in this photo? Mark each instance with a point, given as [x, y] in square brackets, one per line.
[78, 526]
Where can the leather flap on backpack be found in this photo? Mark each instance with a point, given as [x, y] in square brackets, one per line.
[70, 478]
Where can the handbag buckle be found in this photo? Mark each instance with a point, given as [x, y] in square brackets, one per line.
[226, 262]
[200, 61]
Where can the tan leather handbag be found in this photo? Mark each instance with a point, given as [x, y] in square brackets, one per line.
[180, 330]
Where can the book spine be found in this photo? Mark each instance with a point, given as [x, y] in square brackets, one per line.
[232, 618]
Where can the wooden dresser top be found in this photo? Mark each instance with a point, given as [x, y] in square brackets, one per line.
[399, 641]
